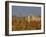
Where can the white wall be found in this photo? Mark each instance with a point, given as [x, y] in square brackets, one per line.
[2, 19]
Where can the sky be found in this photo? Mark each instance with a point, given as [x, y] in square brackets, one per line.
[22, 11]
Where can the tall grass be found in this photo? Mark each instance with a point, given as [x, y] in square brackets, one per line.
[22, 24]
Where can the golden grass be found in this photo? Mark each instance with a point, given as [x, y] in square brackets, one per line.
[25, 25]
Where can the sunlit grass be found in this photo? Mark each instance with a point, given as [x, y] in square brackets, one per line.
[22, 24]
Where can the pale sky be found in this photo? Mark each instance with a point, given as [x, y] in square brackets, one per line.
[21, 11]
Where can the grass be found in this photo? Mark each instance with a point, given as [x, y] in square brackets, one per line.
[22, 24]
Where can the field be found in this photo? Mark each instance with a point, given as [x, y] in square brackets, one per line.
[20, 23]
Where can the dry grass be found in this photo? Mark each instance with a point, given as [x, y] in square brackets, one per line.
[25, 25]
